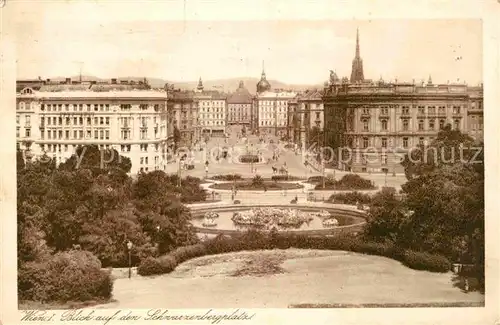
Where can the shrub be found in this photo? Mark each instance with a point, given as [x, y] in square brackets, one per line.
[278, 178]
[185, 253]
[316, 179]
[65, 276]
[426, 261]
[150, 266]
[257, 181]
[227, 177]
[347, 182]
[237, 202]
[350, 198]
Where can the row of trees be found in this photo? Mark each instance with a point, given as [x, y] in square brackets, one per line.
[442, 207]
[97, 207]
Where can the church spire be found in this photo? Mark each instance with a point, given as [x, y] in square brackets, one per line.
[263, 75]
[357, 43]
[357, 74]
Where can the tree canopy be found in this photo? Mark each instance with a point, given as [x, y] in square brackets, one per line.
[90, 202]
[442, 209]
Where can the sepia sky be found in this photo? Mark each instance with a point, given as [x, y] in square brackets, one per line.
[115, 39]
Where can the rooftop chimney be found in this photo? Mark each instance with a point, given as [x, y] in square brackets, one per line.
[68, 81]
[113, 81]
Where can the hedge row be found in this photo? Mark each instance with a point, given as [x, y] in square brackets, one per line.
[227, 177]
[278, 178]
[347, 182]
[66, 276]
[253, 240]
[351, 198]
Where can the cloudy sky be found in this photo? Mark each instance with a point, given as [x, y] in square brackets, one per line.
[120, 38]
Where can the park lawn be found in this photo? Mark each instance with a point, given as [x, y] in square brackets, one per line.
[297, 278]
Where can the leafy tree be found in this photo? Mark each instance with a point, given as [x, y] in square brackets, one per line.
[443, 206]
[20, 160]
[105, 161]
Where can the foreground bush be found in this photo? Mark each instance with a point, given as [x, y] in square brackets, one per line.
[185, 253]
[254, 240]
[350, 198]
[66, 276]
[153, 266]
[426, 261]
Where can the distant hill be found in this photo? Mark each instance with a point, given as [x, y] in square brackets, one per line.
[227, 85]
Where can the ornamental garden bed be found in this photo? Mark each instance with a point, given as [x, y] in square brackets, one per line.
[252, 186]
[249, 159]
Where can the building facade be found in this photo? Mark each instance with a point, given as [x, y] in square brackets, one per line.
[371, 125]
[125, 116]
[306, 118]
[182, 108]
[239, 107]
[272, 109]
[381, 122]
[212, 111]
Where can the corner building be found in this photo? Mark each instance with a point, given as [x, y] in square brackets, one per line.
[380, 122]
[126, 116]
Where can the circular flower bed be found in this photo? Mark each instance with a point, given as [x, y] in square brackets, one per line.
[211, 215]
[330, 222]
[269, 218]
[209, 219]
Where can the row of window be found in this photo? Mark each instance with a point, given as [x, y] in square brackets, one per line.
[212, 123]
[271, 123]
[66, 148]
[271, 109]
[101, 134]
[213, 103]
[405, 110]
[211, 116]
[404, 142]
[406, 124]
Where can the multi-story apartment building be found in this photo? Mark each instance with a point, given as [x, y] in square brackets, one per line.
[306, 115]
[125, 116]
[212, 111]
[183, 110]
[380, 122]
[273, 111]
[239, 107]
[475, 124]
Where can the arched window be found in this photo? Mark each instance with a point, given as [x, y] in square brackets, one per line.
[22, 105]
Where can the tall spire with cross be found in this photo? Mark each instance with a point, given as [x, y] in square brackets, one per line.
[357, 74]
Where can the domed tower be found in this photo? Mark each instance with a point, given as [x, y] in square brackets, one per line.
[263, 85]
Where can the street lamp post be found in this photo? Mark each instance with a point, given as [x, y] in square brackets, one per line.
[251, 159]
[129, 248]
[179, 173]
[323, 171]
